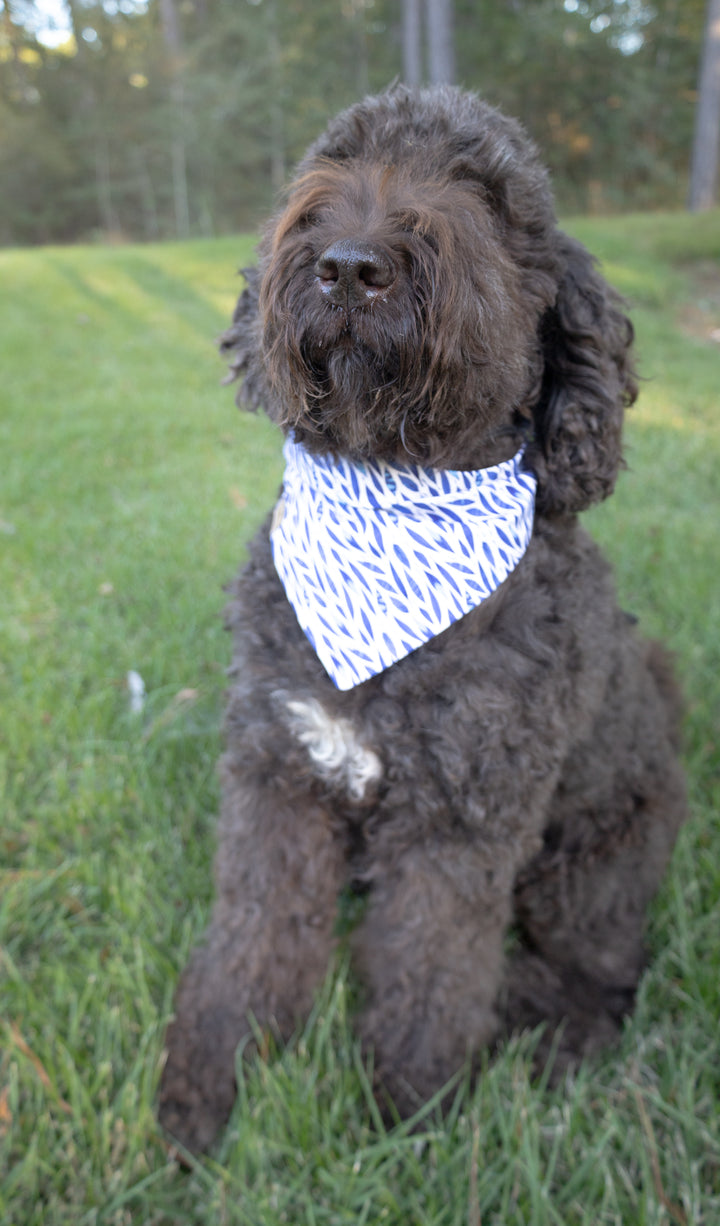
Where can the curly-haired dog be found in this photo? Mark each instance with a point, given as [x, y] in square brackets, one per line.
[433, 692]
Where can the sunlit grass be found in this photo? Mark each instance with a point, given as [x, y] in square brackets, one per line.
[129, 485]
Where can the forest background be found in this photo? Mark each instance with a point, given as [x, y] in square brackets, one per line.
[152, 119]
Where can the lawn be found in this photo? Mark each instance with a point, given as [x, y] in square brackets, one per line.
[128, 487]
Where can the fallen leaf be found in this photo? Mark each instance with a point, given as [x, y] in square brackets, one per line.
[38, 1065]
[5, 1112]
[188, 695]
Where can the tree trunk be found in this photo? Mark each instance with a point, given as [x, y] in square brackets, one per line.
[178, 156]
[706, 144]
[441, 51]
[103, 184]
[412, 55]
[13, 39]
[362, 58]
[93, 114]
[277, 119]
[151, 223]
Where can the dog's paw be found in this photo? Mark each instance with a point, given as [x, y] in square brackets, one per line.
[193, 1123]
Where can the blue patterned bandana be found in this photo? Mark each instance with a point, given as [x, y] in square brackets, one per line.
[377, 558]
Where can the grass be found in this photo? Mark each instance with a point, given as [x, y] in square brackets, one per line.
[128, 486]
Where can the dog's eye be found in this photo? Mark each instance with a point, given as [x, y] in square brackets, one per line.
[307, 220]
[413, 226]
[426, 237]
[430, 241]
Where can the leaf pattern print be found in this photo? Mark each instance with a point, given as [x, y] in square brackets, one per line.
[377, 558]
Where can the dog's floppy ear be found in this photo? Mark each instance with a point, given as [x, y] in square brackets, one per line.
[241, 344]
[587, 383]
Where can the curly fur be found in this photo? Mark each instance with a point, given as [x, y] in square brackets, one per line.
[521, 768]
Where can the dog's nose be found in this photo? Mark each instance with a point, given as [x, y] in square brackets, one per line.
[352, 273]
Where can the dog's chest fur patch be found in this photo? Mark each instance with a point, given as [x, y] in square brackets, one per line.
[336, 750]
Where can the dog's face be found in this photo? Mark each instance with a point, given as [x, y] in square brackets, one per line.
[395, 317]
[407, 294]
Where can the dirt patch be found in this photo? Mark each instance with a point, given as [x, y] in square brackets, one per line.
[699, 316]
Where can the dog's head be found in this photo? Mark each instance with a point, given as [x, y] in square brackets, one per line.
[414, 299]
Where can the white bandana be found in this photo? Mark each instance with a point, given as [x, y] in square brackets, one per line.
[378, 558]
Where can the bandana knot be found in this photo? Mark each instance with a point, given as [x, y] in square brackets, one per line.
[378, 558]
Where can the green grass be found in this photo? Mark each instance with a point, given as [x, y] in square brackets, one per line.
[128, 486]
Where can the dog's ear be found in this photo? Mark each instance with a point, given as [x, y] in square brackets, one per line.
[241, 344]
[588, 381]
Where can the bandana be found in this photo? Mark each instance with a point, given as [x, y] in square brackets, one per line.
[378, 558]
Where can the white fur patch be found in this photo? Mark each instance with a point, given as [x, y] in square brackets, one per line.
[334, 747]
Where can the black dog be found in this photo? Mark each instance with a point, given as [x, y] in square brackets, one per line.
[440, 698]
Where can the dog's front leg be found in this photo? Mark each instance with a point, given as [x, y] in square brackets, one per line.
[430, 952]
[278, 871]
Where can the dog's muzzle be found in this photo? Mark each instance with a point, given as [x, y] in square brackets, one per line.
[352, 273]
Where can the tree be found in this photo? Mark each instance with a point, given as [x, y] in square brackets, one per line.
[439, 41]
[412, 42]
[706, 143]
[170, 25]
[167, 117]
[91, 114]
[441, 49]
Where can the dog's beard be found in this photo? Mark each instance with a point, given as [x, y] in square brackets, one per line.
[363, 396]
[355, 383]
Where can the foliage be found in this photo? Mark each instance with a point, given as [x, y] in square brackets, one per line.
[129, 486]
[111, 131]
[606, 89]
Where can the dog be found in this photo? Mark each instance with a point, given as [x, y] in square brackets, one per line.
[434, 696]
